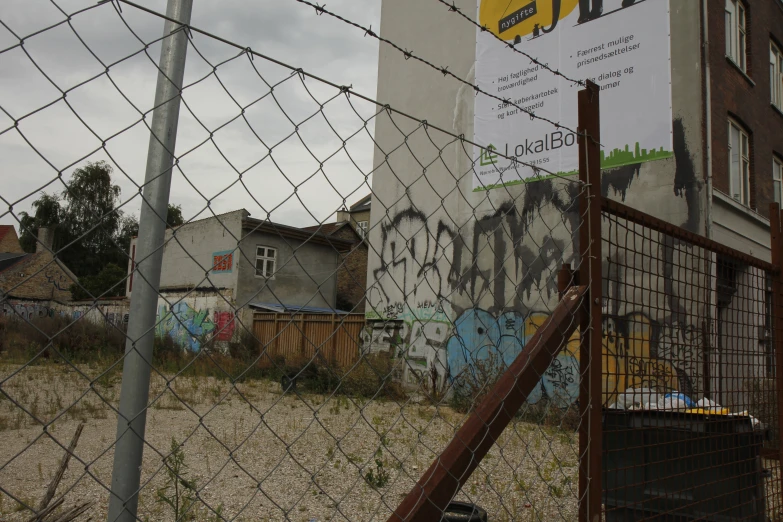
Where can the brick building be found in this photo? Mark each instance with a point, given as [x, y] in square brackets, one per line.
[358, 215]
[38, 276]
[352, 271]
[743, 121]
[9, 241]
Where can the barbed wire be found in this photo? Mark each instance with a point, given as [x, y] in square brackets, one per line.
[483, 28]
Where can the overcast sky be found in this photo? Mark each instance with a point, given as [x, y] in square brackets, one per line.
[283, 29]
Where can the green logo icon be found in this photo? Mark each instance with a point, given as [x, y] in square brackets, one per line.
[488, 157]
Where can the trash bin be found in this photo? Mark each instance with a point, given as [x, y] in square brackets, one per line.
[670, 465]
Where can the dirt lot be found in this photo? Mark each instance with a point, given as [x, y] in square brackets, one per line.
[256, 454]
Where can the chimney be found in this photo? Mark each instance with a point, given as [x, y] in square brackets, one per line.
[45, 240]
[343, 215]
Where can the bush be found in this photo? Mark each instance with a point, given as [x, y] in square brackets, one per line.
[469, 388]
[77, 340]
[371, 377]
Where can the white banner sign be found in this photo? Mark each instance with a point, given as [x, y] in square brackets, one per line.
[622, 45]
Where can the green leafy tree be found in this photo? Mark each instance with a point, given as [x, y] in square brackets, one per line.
[92, 236]
[47, 213]
[91, 219]
[109, 282]
[174, 216]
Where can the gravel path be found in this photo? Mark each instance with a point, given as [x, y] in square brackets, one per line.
[262, 455]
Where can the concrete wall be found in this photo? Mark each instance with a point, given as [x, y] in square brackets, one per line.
[457, 264]
[112, 311]
[198, 317]
[305, 272]
[192, 250]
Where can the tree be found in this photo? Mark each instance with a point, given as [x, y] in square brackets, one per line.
[94, 232]
[91, 200]
[174, 216]
[48, 213]
[109, 282]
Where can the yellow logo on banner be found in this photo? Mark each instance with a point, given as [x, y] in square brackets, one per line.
[509, 19]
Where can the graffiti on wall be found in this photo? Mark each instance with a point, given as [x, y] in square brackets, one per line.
[191, 327]
[222, 262]
[186, 325]
[58, 280]
[29, 311]
[224, 325]
[635, 354]
[491, 276]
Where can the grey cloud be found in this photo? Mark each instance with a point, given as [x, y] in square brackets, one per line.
[283, 29]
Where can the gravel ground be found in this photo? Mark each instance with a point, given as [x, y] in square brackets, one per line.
[263, 455]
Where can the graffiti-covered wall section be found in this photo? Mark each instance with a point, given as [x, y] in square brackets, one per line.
[198, 318]
[468, 275]
[104, 311]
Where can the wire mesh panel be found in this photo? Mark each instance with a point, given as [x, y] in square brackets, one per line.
[692, 428]
[313, 348]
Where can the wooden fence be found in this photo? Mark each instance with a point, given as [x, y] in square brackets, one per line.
[297, 338]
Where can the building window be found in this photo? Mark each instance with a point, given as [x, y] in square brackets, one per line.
[739, 164]
[776, 75]
[265, 261]
[777, 180]
[361, 228]
[736, 30]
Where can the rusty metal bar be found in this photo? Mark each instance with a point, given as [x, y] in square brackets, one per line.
[590, 390]
[451, 470]
[635, 216]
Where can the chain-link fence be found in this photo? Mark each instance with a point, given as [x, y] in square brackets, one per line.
[343, 329]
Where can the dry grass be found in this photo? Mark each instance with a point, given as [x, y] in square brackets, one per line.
[262, 455]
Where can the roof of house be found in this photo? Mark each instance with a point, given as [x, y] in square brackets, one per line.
[8, 259]
[5, 229]
[362, 204]
[296, 309]
[301, 234]
[326, 229]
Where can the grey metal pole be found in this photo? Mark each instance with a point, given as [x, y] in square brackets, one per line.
[134, 394]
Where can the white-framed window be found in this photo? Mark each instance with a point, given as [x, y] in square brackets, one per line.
[777, 180]
[776, 75]
[361, 227]
[266, 257]
[736, 31]
[739, 164]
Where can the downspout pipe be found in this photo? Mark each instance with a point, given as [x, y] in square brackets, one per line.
[708, 115]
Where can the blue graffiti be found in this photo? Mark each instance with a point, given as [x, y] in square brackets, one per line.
[482, 345]
[184, 324]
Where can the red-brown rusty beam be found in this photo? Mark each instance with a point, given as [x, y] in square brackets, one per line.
[616, 208]
[449, 472]
[590, 366]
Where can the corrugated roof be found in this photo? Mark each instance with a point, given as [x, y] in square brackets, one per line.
[295, 309]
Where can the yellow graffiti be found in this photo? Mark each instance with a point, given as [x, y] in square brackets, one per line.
[509, 19]
[626, 360]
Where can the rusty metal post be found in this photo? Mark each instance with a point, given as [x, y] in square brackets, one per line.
[428, 499]
[776, 247]
[590, 357]
[565, 279]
